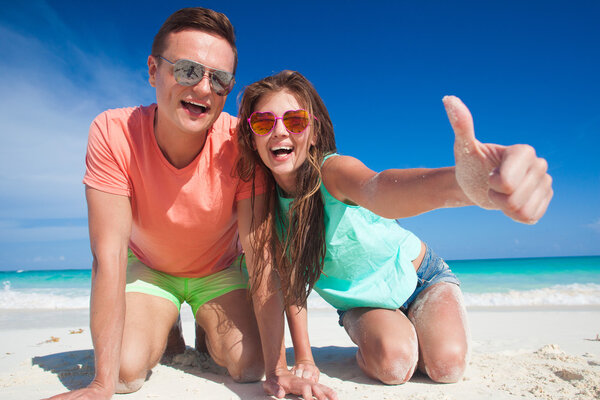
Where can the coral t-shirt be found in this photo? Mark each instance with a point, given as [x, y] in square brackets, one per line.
[184, 220]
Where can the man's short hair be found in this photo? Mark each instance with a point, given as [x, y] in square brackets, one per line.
[198, 18]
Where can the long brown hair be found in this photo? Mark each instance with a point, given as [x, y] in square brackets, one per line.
[298, 252]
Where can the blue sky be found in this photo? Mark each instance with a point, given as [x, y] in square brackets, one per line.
[528, 70]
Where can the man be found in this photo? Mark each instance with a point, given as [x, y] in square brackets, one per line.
[160, 182]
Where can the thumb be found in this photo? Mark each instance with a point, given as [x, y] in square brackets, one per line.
[461, 121]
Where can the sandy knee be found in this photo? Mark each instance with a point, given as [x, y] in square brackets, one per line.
[129, 386]
[249, 372]
[132, 374]
[448, 366]
[392, 363]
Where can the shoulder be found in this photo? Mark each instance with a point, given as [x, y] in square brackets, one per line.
[339, 166]
[124, 119]
[225, 126]
[343, 176]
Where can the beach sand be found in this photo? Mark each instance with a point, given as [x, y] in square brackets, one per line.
[524, 353]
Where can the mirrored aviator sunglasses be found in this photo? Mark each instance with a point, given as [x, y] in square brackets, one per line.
[188, 73]
[294, 121]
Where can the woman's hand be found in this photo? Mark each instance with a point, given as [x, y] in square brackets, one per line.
[282, 382]
[508, 178]
[306, 369]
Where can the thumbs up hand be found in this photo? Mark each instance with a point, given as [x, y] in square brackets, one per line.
[508, 178]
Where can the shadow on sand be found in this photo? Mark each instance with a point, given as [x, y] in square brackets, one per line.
[75, 369]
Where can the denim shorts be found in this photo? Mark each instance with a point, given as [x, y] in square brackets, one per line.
[432, 270]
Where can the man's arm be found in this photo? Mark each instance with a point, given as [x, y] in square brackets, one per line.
[109, 218]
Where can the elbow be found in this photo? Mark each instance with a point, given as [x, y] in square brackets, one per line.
[105, 260]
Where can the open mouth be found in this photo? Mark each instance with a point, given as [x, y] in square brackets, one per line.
[194, 108]
[281, 151]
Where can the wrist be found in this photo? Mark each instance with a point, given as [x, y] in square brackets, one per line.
[304, 360]
[276, 372]
[107, 389]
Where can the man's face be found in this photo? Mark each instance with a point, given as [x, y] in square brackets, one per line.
[189, 109]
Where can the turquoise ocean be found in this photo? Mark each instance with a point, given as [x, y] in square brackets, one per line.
[515, 282]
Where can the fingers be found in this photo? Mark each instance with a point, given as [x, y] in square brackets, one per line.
[280, 385]
[307, 371]
[320, 392]
[521, 186]
[272, 388]
[461, 120]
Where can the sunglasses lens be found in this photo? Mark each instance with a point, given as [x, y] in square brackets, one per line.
[221, 82]
[296, 121]
[262, 123]
[187, 72]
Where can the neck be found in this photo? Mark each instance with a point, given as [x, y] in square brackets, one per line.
[287, 184]
[179, 148]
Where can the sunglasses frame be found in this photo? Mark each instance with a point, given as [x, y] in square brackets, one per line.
[281, 118]
[205, 71]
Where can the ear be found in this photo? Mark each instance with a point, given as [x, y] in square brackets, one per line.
[313, 139]
[152, 68]
[253, 143]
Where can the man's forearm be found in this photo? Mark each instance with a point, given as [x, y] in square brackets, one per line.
[107, 318]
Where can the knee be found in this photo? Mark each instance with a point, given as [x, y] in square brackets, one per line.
[247, 371]
[448, 365]
[132, 376]
[129, 386]
[393, 363]
[248, 366]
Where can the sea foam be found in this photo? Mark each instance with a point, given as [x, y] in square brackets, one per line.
[558, 295]
[43, 298]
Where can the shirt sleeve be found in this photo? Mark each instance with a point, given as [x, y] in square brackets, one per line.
[244, 189]
[103, 170]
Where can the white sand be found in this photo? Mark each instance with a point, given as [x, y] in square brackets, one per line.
[517, 353]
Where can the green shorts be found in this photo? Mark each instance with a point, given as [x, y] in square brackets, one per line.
[194, 291]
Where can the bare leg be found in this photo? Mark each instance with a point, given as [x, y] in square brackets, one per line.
[232, 336]
[175, 341]
[148, 320]
[200, 342]
[440, 319]
[387, 343]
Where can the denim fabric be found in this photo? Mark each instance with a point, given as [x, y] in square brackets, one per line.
[432, 270]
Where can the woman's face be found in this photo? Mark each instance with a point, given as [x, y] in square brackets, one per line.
[281, 151]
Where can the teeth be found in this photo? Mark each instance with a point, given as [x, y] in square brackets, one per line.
[204, 106]
[281, 148]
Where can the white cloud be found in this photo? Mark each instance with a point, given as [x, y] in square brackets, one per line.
[47, 103]
[595, 226]
[42, 234]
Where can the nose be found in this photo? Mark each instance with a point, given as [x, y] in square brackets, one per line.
[204, 85]
[279, 128]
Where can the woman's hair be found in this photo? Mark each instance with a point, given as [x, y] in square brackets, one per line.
[298, 252]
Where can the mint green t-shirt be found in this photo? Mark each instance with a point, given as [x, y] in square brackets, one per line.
[368, 260]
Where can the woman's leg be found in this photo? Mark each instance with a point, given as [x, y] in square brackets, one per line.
[387, 343]
[439, 316]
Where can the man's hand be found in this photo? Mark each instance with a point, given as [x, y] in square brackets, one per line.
[509, 178]
[284, 382]
[93, 391]
[306, 369]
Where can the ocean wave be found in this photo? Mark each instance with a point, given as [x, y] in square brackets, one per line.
[575, 294]
[43, 298]
[557, 295]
